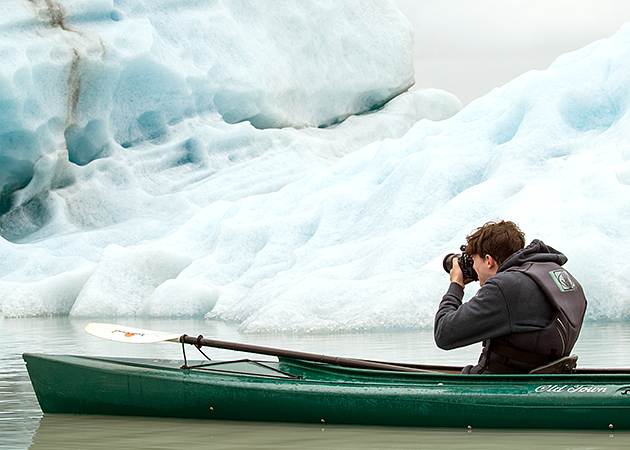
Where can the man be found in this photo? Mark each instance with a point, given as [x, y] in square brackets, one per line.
[528, 311]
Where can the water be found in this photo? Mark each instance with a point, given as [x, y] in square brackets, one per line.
[22, 424]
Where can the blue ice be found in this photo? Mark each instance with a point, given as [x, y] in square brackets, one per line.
[182, 206]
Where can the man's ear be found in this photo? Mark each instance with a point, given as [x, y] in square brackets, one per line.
[491, 262]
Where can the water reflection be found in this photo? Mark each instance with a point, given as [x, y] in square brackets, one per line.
[22, 425]
[92, 432]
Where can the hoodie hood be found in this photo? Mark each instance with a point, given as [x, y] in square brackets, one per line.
[536, 251]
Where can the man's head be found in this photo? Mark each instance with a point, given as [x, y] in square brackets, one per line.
[491, 244]
[497, 239]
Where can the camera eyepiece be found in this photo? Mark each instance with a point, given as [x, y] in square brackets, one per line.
[465, 263]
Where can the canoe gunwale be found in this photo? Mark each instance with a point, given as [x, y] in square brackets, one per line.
[451, 373]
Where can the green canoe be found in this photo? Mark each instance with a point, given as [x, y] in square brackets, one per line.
[291, 390]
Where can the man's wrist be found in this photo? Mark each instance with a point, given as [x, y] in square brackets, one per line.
[456, 290]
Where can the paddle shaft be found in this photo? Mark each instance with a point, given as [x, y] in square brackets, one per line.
[281, 353]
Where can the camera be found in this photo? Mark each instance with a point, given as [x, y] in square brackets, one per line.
[465, 263]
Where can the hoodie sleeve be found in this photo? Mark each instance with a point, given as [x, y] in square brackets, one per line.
[485, 316]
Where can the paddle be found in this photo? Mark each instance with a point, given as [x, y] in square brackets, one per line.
[120, 333]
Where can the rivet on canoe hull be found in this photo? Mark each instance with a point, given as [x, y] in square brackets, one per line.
[212, 408]
[469, 429]
[611, 426]
[322, 421]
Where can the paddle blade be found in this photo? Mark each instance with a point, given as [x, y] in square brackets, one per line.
[120, 333]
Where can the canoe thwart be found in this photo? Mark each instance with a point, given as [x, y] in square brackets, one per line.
[566, 364]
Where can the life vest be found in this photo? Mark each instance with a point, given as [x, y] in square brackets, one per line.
[522, 352]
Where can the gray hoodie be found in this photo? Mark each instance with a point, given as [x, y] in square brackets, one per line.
[509, 302]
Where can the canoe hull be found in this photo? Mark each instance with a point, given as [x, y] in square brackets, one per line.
[326, 394]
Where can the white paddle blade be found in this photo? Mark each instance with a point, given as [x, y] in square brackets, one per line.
[120, 333]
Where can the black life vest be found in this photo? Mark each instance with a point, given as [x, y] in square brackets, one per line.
[522, 352]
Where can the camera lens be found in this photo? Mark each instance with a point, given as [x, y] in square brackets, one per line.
[465, 263]
[448, 261]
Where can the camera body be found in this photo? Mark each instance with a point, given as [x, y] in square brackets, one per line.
[465, 263]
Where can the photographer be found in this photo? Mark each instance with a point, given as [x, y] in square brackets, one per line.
[528, 311]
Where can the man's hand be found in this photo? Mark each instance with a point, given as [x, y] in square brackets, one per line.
[457, 276]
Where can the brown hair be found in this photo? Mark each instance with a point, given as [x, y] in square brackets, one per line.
[497, 239]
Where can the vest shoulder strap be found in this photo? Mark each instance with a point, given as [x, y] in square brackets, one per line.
[562, 289]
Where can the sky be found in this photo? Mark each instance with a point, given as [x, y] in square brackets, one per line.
[469, 47]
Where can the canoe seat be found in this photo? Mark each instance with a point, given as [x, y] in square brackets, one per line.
[562, 365]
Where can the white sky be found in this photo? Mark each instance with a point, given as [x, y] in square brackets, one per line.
[468, 47]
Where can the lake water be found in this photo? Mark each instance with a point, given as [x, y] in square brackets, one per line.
[22, 424]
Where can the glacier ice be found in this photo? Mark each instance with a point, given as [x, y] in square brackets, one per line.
[329, 229]
[93, 75]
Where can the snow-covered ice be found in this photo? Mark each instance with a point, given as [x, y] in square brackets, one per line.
[267, 165]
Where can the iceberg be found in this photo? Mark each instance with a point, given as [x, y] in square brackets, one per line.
[92, 76]
[337, 225]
